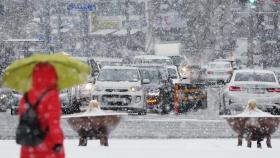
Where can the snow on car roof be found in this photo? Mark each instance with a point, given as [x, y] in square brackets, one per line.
[148, 65]
[254, 70]
[119, 67]
[219, 62]
[100, 59]
[226, 60]
[152, 57]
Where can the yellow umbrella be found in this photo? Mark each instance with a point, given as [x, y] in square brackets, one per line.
[70, 71]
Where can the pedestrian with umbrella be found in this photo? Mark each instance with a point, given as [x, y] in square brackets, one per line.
[40, 77]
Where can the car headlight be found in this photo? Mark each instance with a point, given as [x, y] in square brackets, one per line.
[184, 71]
[135, 88]
[3, 96]
[154, 92]
[88, 86]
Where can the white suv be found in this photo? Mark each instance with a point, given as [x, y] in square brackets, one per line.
[120, 88]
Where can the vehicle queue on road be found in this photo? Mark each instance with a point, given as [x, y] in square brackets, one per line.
[152, 83]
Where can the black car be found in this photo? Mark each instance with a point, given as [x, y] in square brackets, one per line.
[8, 99]
[158, 88]
[14, 108]
[68, 106]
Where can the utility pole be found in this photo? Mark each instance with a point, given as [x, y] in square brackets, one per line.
[250, 40]
[128, 27]
[85, 33]
[59, 22]
[46, 24]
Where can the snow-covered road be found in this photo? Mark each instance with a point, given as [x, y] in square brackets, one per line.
[159, 148]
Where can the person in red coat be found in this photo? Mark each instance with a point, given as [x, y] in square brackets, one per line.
[48, 111]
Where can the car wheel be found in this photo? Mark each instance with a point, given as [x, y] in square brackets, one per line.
[182, 108]
[166, 109]
[227, 112]
[226, 103]
[204, 104]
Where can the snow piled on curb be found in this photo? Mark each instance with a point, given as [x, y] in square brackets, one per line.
[163, 148]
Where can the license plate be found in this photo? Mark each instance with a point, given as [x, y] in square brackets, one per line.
[256, 91]
[112, 100]
[219, 73]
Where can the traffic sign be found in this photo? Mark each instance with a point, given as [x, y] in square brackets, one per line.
[81, 7]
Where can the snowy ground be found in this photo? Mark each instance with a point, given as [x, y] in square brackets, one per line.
[161, 148]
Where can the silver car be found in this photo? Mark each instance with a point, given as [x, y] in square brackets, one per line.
[261, 85]
[120, 88]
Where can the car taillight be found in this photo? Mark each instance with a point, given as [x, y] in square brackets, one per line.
[234, 88]
[273, 90]
[210, 72]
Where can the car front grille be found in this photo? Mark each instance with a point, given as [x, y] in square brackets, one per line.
[116, 90]
[118, 100]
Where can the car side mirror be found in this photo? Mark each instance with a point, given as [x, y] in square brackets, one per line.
[95, 73]
[91, 80]
[146, 81]
[184, 77]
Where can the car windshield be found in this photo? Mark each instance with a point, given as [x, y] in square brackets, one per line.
[154, 61]
[151, 74]
[177, 60]
[130, 75]
[253, 76]
[221, 65]
[172, 72]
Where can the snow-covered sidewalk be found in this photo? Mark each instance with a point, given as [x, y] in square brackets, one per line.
[157, 148]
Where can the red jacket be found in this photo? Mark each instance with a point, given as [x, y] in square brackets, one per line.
[48, 112]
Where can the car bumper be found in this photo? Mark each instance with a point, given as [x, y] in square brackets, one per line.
[238, 102]
[214, 78]
[120, 101]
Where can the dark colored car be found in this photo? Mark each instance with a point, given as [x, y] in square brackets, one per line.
[158, 88]
[68, 107]
[14, 108]
[8, 99]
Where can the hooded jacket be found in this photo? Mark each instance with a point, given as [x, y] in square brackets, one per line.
[48, 112]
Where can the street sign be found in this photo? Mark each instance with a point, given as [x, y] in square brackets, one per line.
[81, 7]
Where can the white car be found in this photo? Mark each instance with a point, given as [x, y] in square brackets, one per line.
[120, 88]
[82, 92]
[219, 72]
[261, 85]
